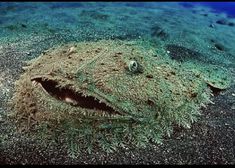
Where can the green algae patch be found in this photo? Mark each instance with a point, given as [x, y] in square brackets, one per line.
[87, 92]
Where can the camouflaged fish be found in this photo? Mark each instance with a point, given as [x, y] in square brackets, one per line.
[110, 93]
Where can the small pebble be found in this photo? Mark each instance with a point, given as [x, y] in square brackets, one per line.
[231, 24]
[72, 50]
[212, 25]
[233, 107]
[23, 25]
[221, 21]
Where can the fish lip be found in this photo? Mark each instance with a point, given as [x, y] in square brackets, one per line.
[44, 83]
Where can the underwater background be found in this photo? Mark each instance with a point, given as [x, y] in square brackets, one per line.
[202, 31]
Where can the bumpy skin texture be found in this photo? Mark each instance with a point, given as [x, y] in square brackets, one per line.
[135, 106]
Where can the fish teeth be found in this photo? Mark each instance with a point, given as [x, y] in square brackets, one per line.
[113, 115]
[84, 113]
[35, 83]
[84, 95]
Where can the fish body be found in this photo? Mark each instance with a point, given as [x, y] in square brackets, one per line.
[91, 86]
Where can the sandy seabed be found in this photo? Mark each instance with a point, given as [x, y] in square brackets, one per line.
[28, 29]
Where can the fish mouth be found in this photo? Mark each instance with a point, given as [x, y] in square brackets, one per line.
[68, 95]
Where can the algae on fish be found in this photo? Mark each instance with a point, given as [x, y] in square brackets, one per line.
[86, 92]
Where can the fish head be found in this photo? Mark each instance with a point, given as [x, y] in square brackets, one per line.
[118, 80]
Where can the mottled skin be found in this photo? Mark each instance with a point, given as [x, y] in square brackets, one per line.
[136, 106]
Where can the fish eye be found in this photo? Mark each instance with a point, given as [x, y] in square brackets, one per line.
[133, 66]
